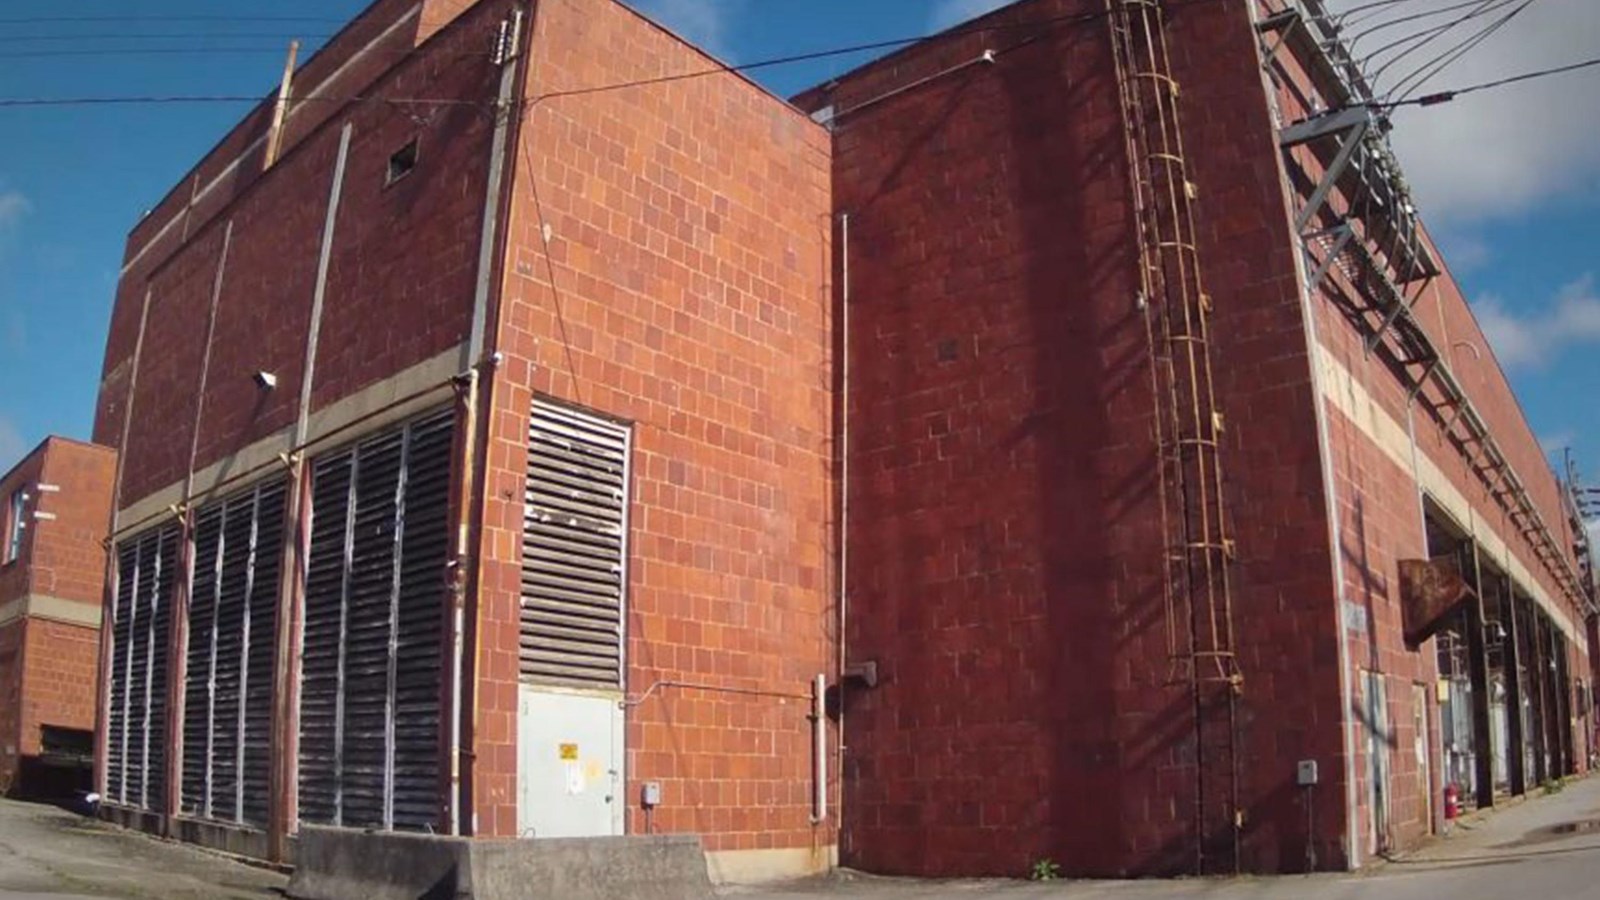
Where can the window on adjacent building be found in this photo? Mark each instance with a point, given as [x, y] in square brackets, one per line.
[15, 526]
[402, 161]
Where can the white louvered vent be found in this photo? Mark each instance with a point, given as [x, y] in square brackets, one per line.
[574, 542]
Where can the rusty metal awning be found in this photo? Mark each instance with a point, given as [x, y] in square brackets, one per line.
[1430, 590]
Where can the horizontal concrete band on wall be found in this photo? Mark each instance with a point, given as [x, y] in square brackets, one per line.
[1351, 398]
[54, 609]
[374, 406]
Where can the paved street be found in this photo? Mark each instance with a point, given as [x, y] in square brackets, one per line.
[50, 854]
[1544, 849]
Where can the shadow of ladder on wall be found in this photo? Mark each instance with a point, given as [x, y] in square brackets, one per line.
[1189, 425]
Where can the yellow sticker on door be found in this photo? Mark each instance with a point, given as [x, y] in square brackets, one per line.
[569, 752]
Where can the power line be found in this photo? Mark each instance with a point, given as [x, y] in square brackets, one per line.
[57, 20]
[1427, 71]
[1439, 97]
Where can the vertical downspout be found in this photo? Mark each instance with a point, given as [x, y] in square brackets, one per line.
[283, 800]
[1329, 483]
[108, 609]
[819, 732]
[843, 584]
[479, 357]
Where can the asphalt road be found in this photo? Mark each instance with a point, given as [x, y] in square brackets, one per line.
[1547, 848]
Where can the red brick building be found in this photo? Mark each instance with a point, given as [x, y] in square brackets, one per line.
[475, 404]
[57, 503]
[1156, 388]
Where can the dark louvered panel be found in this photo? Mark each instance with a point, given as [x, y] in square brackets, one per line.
[573, 549]
[375, 589]
[420, 619]
[237, 525]
[166, 554]
[375, 540]
[262, 624]
[200, 657]
[126, 603]
[323, 637]
[140, 645]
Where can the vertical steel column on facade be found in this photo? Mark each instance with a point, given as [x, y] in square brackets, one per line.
[1478, 672]
[1536, 667]
[1516, 759]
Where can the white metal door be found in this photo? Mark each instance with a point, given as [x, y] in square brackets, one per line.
[569, 765]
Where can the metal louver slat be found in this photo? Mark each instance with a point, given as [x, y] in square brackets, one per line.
[125, 602]
[321, 667]
[201, 659]
[375, 607]
[574, 549]
[141, 629]
[232, 623]
[262, 625]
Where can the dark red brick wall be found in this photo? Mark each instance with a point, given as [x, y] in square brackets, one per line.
[689, 241]
[401, 274]
[11, 637]
[1005, 539]
[47, 667]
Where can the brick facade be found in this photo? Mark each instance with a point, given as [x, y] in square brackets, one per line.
[1005, 545]
[49, 610]
[688, 235]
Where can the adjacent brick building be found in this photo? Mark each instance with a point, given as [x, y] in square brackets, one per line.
[477, 417]
[1030, 462]
[496, 402]
[57, 503]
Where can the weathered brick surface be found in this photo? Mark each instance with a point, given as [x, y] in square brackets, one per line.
[47, 668]
[400, 277]
[1003, 489]
[689, 244]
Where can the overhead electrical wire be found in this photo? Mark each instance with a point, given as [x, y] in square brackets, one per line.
[1426, 36]
[1427, 71]
[1045, 22]
[1439, 97]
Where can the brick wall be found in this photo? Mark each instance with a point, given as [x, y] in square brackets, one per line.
[11, 637]
[1006, 544]
[400, 278]
[689, 245]
[48, 652]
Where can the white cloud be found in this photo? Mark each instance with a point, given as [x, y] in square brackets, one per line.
[704, 23]
[1535, 337]
[13, 207]
[1502, 152]
[949, 13]
[11, 444]
[1555, 442]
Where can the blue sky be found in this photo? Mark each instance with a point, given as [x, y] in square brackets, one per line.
[1508, 178]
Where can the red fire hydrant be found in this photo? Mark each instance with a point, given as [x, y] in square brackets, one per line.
[1452, 801]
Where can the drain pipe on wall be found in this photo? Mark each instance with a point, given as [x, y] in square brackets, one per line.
[819, 731]
[842, 584]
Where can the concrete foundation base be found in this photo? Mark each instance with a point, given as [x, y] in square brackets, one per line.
[340, 864]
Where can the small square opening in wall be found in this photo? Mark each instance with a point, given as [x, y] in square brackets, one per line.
[402, 161]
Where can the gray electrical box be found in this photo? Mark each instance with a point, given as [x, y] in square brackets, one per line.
[1306, 773]
[650, 795]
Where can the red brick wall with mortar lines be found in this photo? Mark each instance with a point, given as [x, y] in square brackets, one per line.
[400, 277]
[1381, 516]
[690, 242]
[58, 680]
[11, 638]
[1005, 539]
[47, 668]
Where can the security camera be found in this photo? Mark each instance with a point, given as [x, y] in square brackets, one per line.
[265, 380]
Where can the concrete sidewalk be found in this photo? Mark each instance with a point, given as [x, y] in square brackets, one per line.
[1545, 848]
[50, 854]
